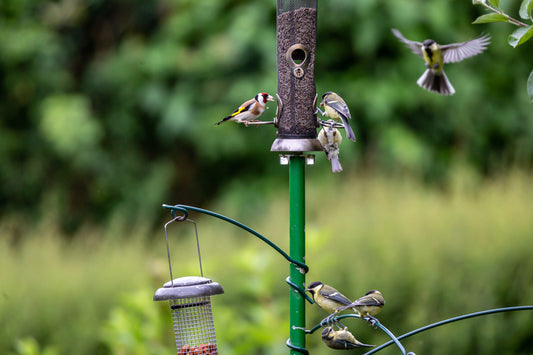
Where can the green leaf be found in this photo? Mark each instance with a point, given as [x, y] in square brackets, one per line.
[530, 86]
[490, 18]
[495, 3]
[525, 9]
[520, 36]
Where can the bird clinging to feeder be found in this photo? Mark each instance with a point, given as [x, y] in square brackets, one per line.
[249, 110]
[331, 138]
[341, 339]
[336, 108]
[435, 55]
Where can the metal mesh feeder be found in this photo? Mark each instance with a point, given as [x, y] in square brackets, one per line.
[190, 306]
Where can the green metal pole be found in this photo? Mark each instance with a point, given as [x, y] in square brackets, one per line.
[297, 248]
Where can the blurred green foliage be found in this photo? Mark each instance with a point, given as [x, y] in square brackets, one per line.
[109, 106]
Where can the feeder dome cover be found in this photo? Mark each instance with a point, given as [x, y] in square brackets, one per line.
[188, 287]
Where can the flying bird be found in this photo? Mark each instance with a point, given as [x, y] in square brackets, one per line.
[250, 110]
[435, 55]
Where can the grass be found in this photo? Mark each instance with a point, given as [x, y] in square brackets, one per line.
[434, 253]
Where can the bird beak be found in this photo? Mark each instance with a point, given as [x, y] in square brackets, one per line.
[270, 98]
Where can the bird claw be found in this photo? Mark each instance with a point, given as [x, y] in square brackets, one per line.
[372, 321]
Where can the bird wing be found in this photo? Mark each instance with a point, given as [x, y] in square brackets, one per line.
[335, 295]
[244, 107]
[338, 105]
[456, 52]
[416, 47]
[369, 300]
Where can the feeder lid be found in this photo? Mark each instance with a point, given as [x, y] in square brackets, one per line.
[188, 287]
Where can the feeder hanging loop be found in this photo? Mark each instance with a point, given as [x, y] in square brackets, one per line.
[299, 264]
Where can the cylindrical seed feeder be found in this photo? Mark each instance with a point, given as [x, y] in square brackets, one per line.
[190, 306]
[296, 45]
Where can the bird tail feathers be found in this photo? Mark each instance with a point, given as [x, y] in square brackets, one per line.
[223, 120]
[438, 83]
[335, 164]
[349, 131]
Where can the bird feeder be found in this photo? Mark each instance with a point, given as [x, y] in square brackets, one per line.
[296, 45]
[190, 306]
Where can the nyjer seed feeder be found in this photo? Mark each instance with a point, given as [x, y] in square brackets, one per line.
[296, 46]
[190, 306]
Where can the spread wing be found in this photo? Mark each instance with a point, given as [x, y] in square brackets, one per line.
[456, 52]
[416, 47]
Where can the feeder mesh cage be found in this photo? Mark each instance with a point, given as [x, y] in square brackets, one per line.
[193, 325]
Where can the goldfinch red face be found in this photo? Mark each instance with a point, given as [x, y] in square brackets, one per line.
[263, 97]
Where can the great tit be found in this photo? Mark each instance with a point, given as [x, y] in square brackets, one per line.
[341, 339]
[331, 138]
[368, 305]
[326, 297]
[434, 79]
[337, 109]
[250, 110]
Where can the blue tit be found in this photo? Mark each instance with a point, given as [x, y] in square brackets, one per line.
[331, 138]
[337, 109]
[435, 55]
[341, 339]
[249, 110]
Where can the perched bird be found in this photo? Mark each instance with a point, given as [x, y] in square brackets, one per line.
[341, 339]
[250, 110]
[434, 79]
[326, 297]
[367, 306]
[331, 138]
[337, 109]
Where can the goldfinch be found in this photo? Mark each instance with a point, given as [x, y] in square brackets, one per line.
[341, 339]
[331, 138]
[434, 79]
[337, 109]
[250, 110]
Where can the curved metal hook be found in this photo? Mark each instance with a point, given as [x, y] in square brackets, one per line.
[302, 266]
[299, 290]
[451, 320]
[297, 348]
[179, 218]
